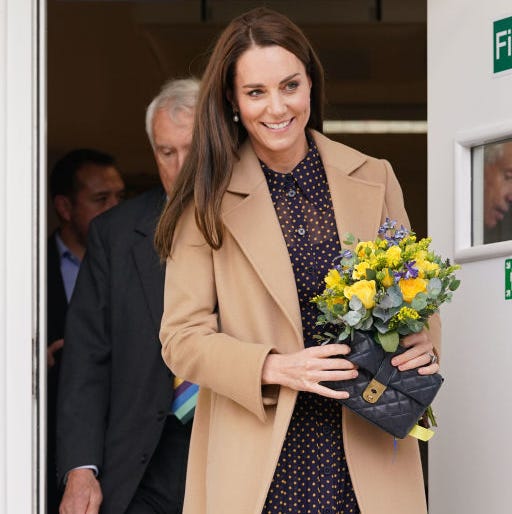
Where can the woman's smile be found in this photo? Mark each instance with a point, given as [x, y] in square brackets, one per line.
[278, 126]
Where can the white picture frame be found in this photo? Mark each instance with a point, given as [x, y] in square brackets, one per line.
[468, 201]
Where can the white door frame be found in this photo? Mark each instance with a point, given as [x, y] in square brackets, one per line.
[21, 134]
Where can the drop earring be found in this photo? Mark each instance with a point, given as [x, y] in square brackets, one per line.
[236, 119]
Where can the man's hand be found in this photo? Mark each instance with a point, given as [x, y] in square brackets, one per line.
[82, 494]
[52, 349]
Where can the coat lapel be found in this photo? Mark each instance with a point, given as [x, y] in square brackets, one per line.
[250, 217]
[148, 265]
[357, 203]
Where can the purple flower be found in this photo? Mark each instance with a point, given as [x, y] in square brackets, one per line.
[409, 272]
[387, 225]
[391, 234]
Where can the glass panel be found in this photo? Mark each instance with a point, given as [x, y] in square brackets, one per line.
[492, 192]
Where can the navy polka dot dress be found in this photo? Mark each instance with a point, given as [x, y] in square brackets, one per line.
[311, 476]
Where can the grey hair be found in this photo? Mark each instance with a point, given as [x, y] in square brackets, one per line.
[493, 152]
[176, 95]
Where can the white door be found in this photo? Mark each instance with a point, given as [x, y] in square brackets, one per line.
[471, 454]
[20, 208]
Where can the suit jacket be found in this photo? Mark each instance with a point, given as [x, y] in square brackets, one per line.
[225, 310]
[57, 302]
[57, 305]
[114, 390]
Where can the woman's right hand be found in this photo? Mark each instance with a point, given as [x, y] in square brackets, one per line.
[304, 370]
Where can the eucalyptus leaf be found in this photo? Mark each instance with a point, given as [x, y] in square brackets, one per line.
[403, 330]
[371, 274]
[395, 294]
[419, 302]
[414, 325]
[388, 341]
[385, 303]
[454, 285]
[337, 309]
[343, 335]
[381, 326]
[383, 314]
[367, 323]
[348, 239]
[434, 287]
[355, 303]
[352, 318]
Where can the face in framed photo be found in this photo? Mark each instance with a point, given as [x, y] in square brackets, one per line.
[492, 192]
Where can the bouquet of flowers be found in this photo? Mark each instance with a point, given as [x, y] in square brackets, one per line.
[386, 288]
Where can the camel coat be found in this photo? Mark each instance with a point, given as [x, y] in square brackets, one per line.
[225, 310]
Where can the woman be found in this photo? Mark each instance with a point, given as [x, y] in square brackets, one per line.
[251, 229]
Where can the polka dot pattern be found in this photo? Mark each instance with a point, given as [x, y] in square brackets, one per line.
[311, 476]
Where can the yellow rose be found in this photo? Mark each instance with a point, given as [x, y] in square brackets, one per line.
[388, 279]
[393, 255]
[365, 290]
[333, 279]
[360, 270]
[410, 287]
[362, 248]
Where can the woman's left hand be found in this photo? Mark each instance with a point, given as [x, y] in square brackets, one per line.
[420, 354]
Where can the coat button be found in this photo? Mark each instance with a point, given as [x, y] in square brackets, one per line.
[144, 458]
[161, 415]
[291, 193]
[301, 231]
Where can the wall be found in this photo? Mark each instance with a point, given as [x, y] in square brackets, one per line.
[471, 454]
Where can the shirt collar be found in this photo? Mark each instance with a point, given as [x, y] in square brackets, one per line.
[64, 251]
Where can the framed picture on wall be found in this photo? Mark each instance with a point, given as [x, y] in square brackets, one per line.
[483, 193]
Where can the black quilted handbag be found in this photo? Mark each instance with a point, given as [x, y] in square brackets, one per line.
[391, 399]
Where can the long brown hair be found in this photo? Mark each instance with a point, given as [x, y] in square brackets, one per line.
[206, 172]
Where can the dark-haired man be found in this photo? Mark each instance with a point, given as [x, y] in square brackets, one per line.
[83, 184]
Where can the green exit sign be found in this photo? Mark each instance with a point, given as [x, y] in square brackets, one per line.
[508, 279]
[502, 42]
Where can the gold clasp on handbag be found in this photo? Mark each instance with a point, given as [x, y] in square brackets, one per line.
[373, 391]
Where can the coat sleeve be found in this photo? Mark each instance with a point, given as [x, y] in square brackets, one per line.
[395, 208]
[192, 345]
[84, 384]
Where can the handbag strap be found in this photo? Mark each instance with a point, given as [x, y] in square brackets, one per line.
[378, 384]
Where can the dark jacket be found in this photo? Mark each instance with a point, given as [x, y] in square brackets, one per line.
[56, 305]
[114, 389]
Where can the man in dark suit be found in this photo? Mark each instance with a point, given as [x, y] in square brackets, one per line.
[118, 444]
[83, 184]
